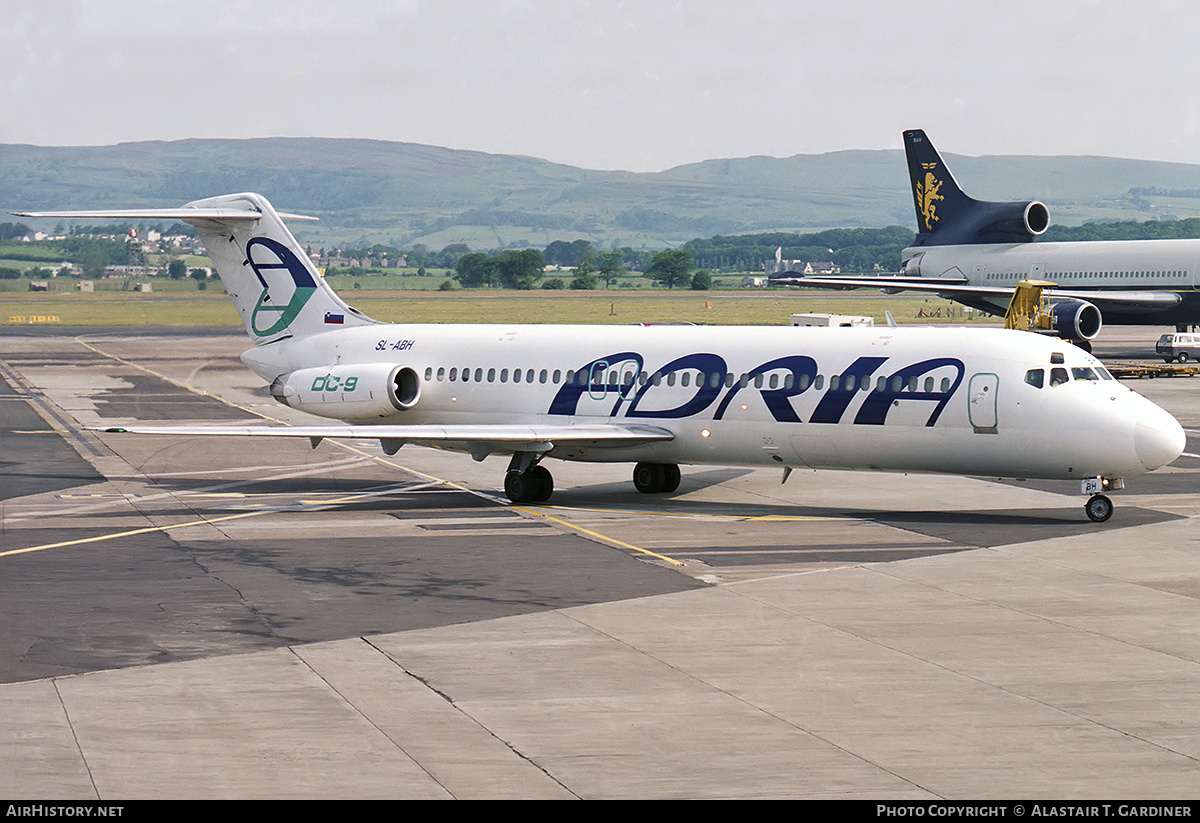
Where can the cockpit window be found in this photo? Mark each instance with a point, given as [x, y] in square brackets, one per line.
[1083, 374]
[1104, 374]
[1035, 377]
[1056, 358]
[1058, 377]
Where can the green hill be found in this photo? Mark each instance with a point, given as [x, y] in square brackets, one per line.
[368, 191]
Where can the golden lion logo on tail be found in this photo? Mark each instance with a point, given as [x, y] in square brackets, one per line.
[927, 195]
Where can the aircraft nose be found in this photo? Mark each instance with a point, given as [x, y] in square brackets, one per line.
[1158, 438]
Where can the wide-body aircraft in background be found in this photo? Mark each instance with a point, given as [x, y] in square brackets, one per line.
[951, 400]
[975, 252]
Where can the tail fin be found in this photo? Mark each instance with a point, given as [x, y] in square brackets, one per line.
[947, 216]
[277, 290]
[275, 287]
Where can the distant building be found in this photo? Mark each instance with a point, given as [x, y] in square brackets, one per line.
[131, 271]
[802, 267]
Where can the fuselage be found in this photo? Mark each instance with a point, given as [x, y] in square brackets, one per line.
[974, 401]
[1113, 266]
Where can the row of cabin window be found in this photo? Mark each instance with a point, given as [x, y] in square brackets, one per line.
[1070, 275]
[773, 380]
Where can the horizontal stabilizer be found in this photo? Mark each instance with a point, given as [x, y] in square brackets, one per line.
[186, 215]
[276, 288]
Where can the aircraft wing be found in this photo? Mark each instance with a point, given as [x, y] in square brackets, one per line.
[482, 438]
[897, 282]
[1133, 302]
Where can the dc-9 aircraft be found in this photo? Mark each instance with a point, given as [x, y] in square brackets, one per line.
[984, 402]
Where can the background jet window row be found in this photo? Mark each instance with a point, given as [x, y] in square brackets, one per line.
[1091, 275]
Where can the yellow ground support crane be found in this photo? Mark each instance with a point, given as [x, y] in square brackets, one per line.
[1028, 310]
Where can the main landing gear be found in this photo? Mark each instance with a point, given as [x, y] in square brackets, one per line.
[529, 482]
[656, 478]
[534, 485]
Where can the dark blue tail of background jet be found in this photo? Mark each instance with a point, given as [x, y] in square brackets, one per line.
[947, 216]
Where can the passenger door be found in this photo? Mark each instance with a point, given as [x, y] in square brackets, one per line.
[982, 394]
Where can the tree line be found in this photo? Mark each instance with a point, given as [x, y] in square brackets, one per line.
[853, 250]
[525, 269]
[1188, 228]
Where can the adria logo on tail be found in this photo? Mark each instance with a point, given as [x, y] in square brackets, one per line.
[267, 256]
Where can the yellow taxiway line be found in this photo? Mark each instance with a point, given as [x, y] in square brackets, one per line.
[131, 533]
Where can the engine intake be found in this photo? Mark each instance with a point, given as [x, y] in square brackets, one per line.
[1076, 320]
[1036, 218]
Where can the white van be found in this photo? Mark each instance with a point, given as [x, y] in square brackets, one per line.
[1178, 346]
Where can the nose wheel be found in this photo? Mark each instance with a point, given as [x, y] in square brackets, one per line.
[1099, 508]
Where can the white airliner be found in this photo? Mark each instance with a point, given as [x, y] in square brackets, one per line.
[960, 401]
[975, 252]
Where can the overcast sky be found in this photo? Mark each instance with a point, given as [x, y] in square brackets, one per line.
[640, 85]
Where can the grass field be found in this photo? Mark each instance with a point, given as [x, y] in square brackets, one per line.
[755, 308]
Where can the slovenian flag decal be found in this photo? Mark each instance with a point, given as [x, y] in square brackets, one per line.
[336, 319]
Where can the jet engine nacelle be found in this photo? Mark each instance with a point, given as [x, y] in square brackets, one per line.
[1002, 222]
[1076, 320]
[1035, 218]
[350, 392]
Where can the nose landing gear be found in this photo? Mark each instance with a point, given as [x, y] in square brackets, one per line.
[1099, 508]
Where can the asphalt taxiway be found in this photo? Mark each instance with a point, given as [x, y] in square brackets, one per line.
[234, 618]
